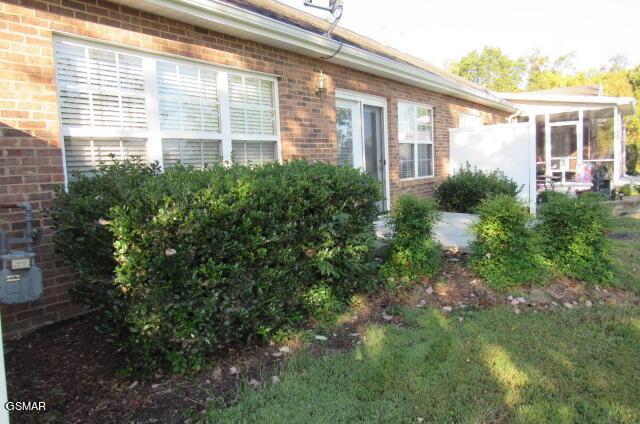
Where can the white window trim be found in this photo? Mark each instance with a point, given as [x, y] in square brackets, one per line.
[469, 115]
[153, 133]
[415, 143]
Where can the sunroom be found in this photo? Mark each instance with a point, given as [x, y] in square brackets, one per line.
[579, 136]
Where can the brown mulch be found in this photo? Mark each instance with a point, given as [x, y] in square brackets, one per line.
[76, 371]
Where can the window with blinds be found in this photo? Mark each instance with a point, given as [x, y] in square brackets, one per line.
[251, 101]
[188, 98]
[117, 103]
[84, 155]
[196, 153]
[100, 88]
[415, 134]
[254, 152]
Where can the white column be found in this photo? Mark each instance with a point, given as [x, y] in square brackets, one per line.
[617, 147]
[533, 158]
[4, 414]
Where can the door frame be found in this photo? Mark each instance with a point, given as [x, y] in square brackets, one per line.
[376, 101]
[549, 126]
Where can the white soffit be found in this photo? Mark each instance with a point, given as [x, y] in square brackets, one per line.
[232, 20]
[627, 104]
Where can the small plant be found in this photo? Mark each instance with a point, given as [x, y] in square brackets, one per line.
[467, 187]
[505, 251]
[629, 190]
[573, 236]
[632, 159]
[413, 253]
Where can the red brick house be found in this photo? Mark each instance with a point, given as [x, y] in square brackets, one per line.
[202, 81]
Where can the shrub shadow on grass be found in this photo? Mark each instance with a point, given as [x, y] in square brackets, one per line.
[493, 366]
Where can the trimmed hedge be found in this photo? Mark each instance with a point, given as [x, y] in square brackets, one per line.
[467, 187]
[505, 250]
[413, 254]
[210, 258]
[573, 235]
[79, 215]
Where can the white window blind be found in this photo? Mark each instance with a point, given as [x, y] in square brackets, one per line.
[197, 153]
[415, 134]
[188, 98]
[254, 152]
[252, 105]
[85, 154]
[100, 88]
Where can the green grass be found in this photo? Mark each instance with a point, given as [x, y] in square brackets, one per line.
[570, 366]
[625, 252]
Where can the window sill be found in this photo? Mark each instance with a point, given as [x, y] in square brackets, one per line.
[426, 177]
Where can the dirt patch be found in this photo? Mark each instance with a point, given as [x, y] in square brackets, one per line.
[75, 370]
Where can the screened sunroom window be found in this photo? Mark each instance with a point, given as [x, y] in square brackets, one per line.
[118, 103]
[415, 134]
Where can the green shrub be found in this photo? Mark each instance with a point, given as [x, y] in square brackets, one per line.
[504, 251]
[80, 212]
[545, 195]
[215, 257]
[592, 196]
[467, 187]
[413, 253]
[573, 236]
[632, 159]
[629, 190]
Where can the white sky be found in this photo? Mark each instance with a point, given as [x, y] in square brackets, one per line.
[445, 30]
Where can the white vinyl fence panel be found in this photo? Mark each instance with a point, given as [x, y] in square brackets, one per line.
[508, 147]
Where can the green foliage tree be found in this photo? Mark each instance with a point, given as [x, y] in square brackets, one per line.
[490, 68]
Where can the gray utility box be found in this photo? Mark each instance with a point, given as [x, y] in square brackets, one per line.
[20, 278]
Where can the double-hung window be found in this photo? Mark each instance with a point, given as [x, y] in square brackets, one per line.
[415, 135]
[116, 104]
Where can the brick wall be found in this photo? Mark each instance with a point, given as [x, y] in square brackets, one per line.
[30, 154]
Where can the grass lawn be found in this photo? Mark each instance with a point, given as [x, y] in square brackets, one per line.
[579, 365]
[625, 242]
[568, 366]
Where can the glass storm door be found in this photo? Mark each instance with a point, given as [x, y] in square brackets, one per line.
[361, 143]
[349, 127]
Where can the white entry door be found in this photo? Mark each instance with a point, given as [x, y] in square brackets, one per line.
[362, 136]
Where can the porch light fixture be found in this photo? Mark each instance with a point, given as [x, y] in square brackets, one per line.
[321, 84]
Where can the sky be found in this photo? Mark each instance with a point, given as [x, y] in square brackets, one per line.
[443, 31]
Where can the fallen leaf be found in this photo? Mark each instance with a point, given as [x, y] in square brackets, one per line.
[447, 308]
[233, 371]
[354, 334]
[276, 354]
[133, 385]
[321, 338]
[170, 252]
[429, 290]
[285, 349]
[275, 380]
[254, 383]
[387, 317]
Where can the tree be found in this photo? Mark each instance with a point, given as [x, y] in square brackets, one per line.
[491, 68]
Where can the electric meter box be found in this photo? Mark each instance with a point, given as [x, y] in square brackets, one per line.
[20, 279]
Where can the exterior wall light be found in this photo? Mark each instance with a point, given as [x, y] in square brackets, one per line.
[321, 84]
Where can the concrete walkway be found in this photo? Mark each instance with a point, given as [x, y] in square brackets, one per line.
[451, 231]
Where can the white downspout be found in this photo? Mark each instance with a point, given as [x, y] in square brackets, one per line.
[4, 414]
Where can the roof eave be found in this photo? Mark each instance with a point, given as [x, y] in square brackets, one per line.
[229, 19]
[627, 105]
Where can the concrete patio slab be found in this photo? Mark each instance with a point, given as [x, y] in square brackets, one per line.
[451, 230]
